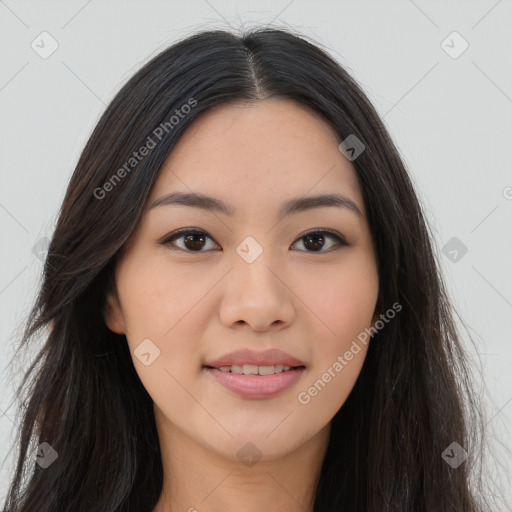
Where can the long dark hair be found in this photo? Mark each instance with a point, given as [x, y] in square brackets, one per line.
[82, 395]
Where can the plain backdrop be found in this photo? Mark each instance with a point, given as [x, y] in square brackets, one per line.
[437, 72]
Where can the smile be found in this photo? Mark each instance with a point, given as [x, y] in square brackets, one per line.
[256, 382]
[252, 369]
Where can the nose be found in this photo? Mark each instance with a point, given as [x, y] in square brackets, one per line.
[258, 295]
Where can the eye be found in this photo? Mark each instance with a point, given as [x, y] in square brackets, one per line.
[316, 240]
[194, 240]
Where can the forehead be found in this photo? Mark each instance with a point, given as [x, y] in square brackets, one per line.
[259, 154]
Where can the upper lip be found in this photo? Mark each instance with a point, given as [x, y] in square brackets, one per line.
[268, 357]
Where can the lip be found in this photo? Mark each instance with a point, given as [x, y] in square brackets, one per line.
[257, 387]
[269, 357]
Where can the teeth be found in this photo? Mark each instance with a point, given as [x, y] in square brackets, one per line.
[252, 369]
[266, 370]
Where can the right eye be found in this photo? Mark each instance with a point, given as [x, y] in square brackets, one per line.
[194, 240]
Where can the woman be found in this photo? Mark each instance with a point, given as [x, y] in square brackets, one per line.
[244, 304]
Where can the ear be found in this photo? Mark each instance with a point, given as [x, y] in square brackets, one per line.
[113, 314]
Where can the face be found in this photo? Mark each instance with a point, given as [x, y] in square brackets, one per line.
[253, 278]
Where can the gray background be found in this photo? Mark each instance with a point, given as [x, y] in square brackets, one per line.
[450, 116]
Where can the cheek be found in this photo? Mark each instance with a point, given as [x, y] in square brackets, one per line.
[161, 303]
[157, 307]
[344, 308]
[342, 298]
[149, 289]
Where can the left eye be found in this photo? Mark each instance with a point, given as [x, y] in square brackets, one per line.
[194, 240]
[317, 240]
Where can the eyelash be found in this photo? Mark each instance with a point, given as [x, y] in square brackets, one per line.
[189, 231]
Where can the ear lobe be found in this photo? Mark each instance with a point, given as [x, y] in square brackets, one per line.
[113, 315]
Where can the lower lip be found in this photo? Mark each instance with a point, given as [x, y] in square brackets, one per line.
[257, 386]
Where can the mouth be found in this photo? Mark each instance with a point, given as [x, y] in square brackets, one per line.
[252, 369]
[254, 382]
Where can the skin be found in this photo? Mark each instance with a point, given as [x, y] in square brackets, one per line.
[197, 306]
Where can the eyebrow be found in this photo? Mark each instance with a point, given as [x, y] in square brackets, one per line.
[293, 206]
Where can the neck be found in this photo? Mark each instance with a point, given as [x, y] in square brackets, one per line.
[197, 479]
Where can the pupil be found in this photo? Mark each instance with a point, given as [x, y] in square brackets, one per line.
[195, 245]
[315, 238]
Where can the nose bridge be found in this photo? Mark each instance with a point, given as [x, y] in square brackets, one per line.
[255, 291]
[255, 266]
